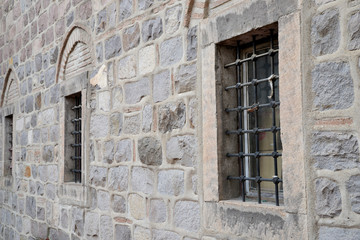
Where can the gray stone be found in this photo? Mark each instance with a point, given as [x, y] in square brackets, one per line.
[39, 189]
[50, 76]
[32, 187]
[145, 4]
[186, 78]
[335, 151]
[191, 50]
[193, 112]
[106, 228]
[63, 235]
[187, 215]
[131, 37]
[125, 9]
[158, 211]
[116, 120]
[135, 91]
[336, 233]
[353, 186]
[54, 133]
[132, 124]
[69, 19]
[91, 225]
[99, 52]
[108, 152]
[152, 29]
[171, 182]
[123, 152]
[171, 116]
[103, 200]
[194, 182]
[150, 151]
[112, 47]
[28, 68]
[23, 88]
[48, 153]
[53, 55]
[117, 97]
[142, 180]
[173, 19]
[328, 198]
[31, 206]
[99, 126]
[147, 118]
[118, 204]
[171, 51]
[164, 235]
[64, 218]
[101, 21]
[55, 94]
[122, 232]
[111, 12]
[50, 190]
[325, 32]
[45, 61]
[77, 221]
[29, 104]
[127, 67]
[327, 75]
[161, 86]
[118, 178]
[38, 62]
[98, 176]
[354, 31]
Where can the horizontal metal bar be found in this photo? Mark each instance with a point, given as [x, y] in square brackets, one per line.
[252, 58]
[272, 154]
[76, 120]
[76, 107]
[275, 180]
[75, 132]
[272, 77]
[76, 145]
[76, 170]
[255, 131]
[75, 158]
[272, 104]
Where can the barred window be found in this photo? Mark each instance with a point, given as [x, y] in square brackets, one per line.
[73, 138]
[253, 108]
[8, 150]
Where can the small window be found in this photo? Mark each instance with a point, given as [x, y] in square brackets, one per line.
[73, 138]
[8, 150]
[253, 106]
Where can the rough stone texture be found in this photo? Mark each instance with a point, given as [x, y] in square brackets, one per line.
[171, 116]
[161, 86]
[131, 37]
[118, 204]
[137, 206]
[173, 19]
[122, 232]
[193, 113]
[182, 149]
[171, 51]
[185, 78]
[147, 59]
[135, 91]
[132, 124]
[151, 29]
[325, 29]
[98, 176]
[127, 67]
[106, 228]
[142, 180]
[77, 221]
[147, 118]
[187, 215]
[141, 233]
[116, 121]
[31, 207]
[158, 211]
[150, 151]
[353, 186]
[144, 4]
[354, 31]
[103, 200]
[125, 9]
[118, 178]
[335, 151]
[112, 47]
[328, 198]
[327, 75]
[333, 233]
[171, 182]
[164, 235]
[191, 50]
[91, 225]
[99, 126]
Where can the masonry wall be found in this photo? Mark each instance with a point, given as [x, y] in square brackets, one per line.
[147, 83]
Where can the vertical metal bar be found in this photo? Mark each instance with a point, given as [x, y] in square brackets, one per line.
[240, 121]
[256, 124]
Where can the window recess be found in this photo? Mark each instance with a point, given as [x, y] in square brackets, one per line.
[8, 163]
[256, 106]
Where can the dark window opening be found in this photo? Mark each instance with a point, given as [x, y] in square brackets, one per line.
[8, 162]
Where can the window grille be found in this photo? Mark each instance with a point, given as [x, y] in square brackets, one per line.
[76, 133]
[9, 144]
[249, 85]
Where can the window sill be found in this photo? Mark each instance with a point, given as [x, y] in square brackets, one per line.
[253, 205]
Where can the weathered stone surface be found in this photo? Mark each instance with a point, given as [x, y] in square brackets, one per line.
[108, 152]
[99, 125]
[117, 97]
[185, 78]
[141, 233]
[123, 151]
[98, 176]
[99, 52]
[101, 21]
[38, 62]
[183, 149]
[116, 121]
[193, 112]
[161, 86]
[325, 32]
[118, 178]
[327, 75]
[77, 221]
[333, 233]
[104, 101]
[31, 206]
[354, 31]
[171, 51]
[152, 29]
[112, 47]
[191, 50]
[131, 37]
[50, 76]
[64, 218]
[135, 91]
[91, 225]
[335, 151]
[53, 55]
[171, 116]
[147, 118]
[118, 204]
[122, 232]
[353, 186]
[142, 180]
[187, 215]
[103, 200]
[137, 206]
[50, 190]
[150, 151]
[147, 59]
[132, 124]
[171, 182]
[173, 19]
[163, 235]
[328, 198]
[48, 153]
[125, 9]
[145, 4]
[158, 211]
[127, 67]
[106, 228]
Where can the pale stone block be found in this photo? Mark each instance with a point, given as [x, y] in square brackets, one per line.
[147, 59]
[137, 206]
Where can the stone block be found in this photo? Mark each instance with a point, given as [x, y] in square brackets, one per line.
[325, 76]
[147, 59]
[183, 149]
[38, 62]
[171, 182]
[147, 118]
[91, 225]
[141, 233]
[328, 198]
[112, 47]
[103, 200]
[353, 186]
[150, 151]
[171, 116]
[123, 151]
[99, 126]
[135, 91]
[48, 153]
[101, 21]
[118, 204]
[64, 218]
[127, 67]
[77, 221]
[171, 51]
[161, 86]
[31, 207]
[186, 78]
[116, 120]
[193, 112]
[106, 228]
[98, 176]
[152, 29]
[132, 124]
[164, 234]
[173, 19]
[104, 101]
[131, 37]
[118, 178]
[122, 232]
[125, 10]
[142, 180]
[84, 10]
[335, 151]
[145, 4]
[117, 97]
[137, 206]
[334, 233]
[108, 156]
[158, 211]
[325, 32]
[50, 76]
[99, 52]
[354, 32]
[191, 50]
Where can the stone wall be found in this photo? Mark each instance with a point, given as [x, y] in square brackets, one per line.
[146, 70]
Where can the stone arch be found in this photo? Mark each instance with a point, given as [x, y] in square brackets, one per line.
[76, 54]
[195, 11]
[10, 92]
